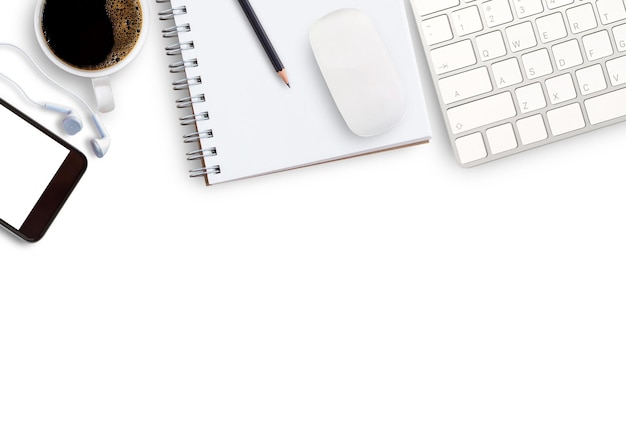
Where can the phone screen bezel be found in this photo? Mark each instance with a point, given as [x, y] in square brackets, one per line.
[58, 189]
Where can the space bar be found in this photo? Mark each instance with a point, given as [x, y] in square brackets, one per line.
[606, 107]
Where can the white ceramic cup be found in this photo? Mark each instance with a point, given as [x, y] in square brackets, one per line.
[99, 78]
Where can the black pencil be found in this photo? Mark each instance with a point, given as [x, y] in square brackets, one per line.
[265, 41]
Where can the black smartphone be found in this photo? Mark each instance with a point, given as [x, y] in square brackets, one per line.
[38, 172]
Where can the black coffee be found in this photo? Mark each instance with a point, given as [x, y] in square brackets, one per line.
[91, 34]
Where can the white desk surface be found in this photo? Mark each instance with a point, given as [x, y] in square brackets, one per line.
[393, 295]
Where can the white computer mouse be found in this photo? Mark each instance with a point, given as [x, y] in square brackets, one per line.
[359, 71]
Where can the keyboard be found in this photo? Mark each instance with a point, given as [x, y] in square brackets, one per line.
[512, 75]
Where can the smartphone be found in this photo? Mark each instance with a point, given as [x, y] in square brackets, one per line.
[38, 172]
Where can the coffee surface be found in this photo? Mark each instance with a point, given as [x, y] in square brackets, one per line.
[91, 34]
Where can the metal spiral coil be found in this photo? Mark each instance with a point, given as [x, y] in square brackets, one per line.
[180, 66]
[189, 101]
[204, 171]
[197, 136]
[186, 83]
[169, 14]
[201, 154]
[193, 118]
[173, 31]
[178, 48]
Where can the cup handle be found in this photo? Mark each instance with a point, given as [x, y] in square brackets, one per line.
[104, 94]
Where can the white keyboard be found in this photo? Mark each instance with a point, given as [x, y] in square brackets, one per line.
[515, 74]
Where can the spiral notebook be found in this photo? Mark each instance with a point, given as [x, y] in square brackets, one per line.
[244, 121]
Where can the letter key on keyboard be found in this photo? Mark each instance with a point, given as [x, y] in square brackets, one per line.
[512, 75]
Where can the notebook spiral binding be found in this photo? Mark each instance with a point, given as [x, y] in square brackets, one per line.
[182, 66]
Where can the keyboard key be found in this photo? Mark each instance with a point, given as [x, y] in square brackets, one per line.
[560, 89]
[467, 21]
[552, 4]
[530, 98]
[497, 12]
[481, 112]
[465, 85]
[581, 18]
[551, 27]
[537, 64]
[507, 73]
[591, 79]
[471, 148]
[566, 119]
[597, 45]
[425, 7]
[501, 138]
[437, 30]
[526, 8]
[567, 54]
[453, 57]
[532, 129]
[521, 37]
[619, 32]
[616, 68]
[490, 45]
[606, 106]
[611, 11]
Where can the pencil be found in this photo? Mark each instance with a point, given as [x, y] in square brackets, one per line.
[265, 41]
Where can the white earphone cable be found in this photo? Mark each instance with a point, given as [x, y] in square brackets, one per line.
[45, 75]
[16, 85]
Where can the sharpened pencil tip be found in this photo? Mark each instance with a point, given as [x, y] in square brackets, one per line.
[283, 76]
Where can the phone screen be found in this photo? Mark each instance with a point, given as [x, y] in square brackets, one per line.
[29, 159]
[38, 172]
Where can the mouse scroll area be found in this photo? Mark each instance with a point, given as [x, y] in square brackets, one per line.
[358, 71]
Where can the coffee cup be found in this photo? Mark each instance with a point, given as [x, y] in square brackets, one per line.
[92, 38]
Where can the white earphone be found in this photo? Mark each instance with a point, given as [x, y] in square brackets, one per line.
[99, 145]
[71, 123]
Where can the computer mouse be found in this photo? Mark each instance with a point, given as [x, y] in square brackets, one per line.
[359, 71]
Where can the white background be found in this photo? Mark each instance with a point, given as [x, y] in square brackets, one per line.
[394, 295]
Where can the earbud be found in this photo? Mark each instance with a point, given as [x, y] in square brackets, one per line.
[72, 124]
[100, 145]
